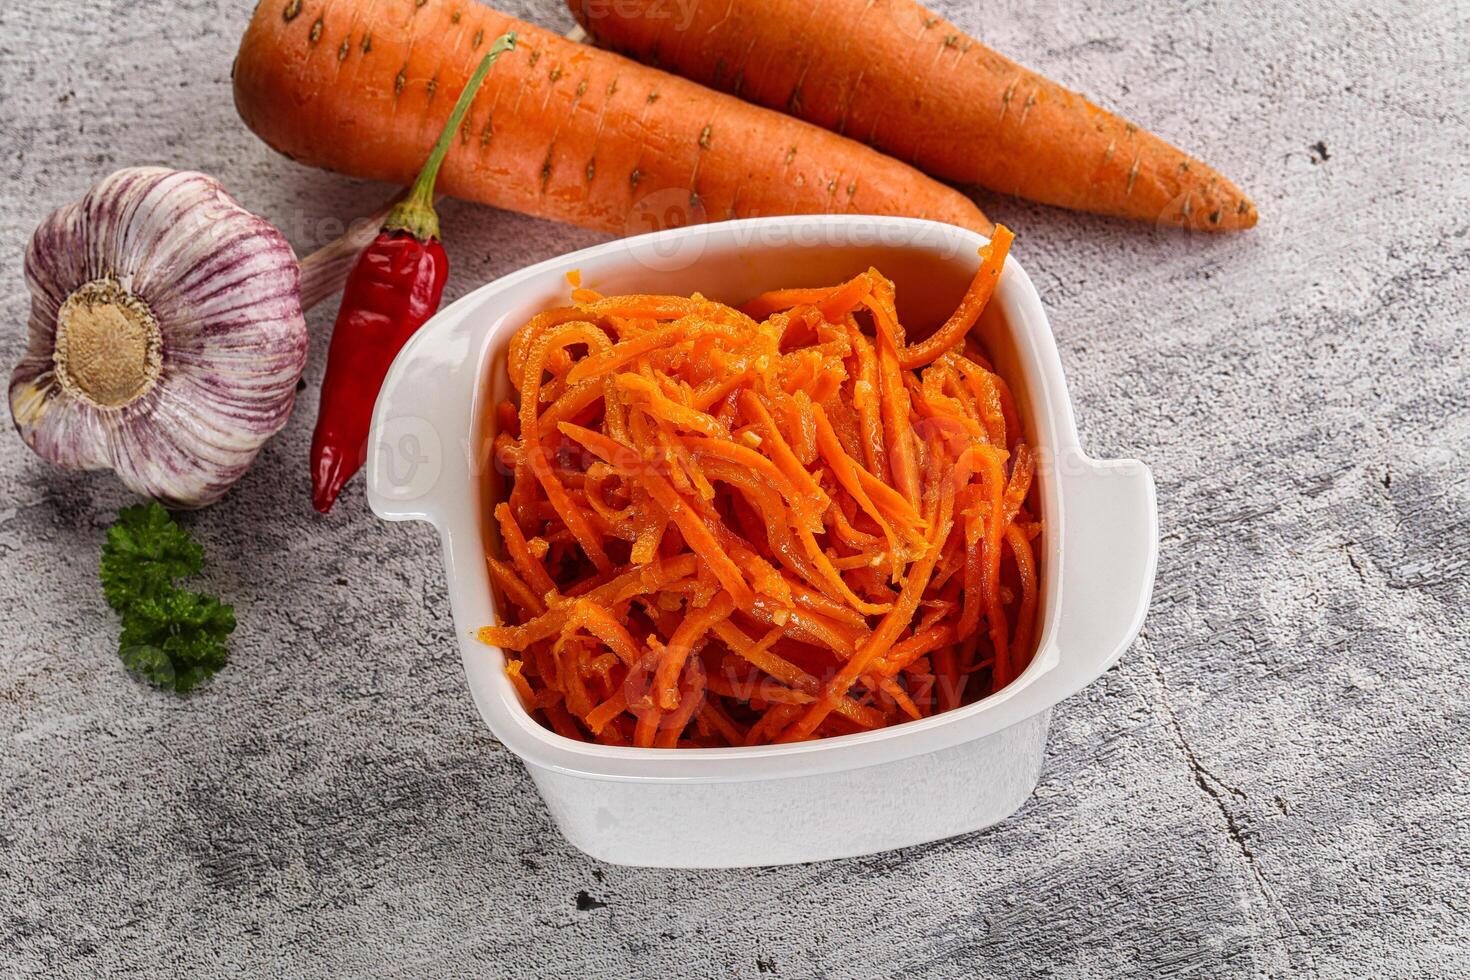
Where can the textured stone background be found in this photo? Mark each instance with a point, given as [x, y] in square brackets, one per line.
[1275, 780]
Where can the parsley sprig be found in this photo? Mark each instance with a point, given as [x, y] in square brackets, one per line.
[172, 637]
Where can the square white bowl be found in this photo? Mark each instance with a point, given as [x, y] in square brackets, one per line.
[948, 774]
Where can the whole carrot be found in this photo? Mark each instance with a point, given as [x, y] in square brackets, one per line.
[393, 289]
[562, 131]
[892, 74]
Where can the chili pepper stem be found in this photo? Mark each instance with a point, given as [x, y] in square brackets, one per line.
[415, 214]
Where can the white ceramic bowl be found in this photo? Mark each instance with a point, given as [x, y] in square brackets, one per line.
[921, 781]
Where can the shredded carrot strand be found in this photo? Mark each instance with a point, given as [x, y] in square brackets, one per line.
[514, 539]
[847, 473]
[775, 446]
[865, 401]
[1020, 547]
[696, 623]
[690, 700]
[893, 622]
[992, 260]
[690, 524]
[574, 518]
[515, 589]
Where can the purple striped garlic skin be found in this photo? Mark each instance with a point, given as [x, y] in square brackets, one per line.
[166, 335]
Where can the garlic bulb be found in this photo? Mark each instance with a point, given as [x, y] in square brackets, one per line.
[166, 335]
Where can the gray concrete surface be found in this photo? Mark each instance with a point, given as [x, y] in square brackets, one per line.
[1274, 782]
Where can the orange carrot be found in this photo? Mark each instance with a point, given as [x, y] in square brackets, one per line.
[560, 130]
[896, 76]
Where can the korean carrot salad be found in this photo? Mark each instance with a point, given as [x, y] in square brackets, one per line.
[741, 526]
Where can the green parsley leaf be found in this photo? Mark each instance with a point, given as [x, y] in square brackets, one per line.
[144, 553]
[171, 637]
[176, 639]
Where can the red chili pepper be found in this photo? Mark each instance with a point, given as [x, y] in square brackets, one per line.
[392, 290]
